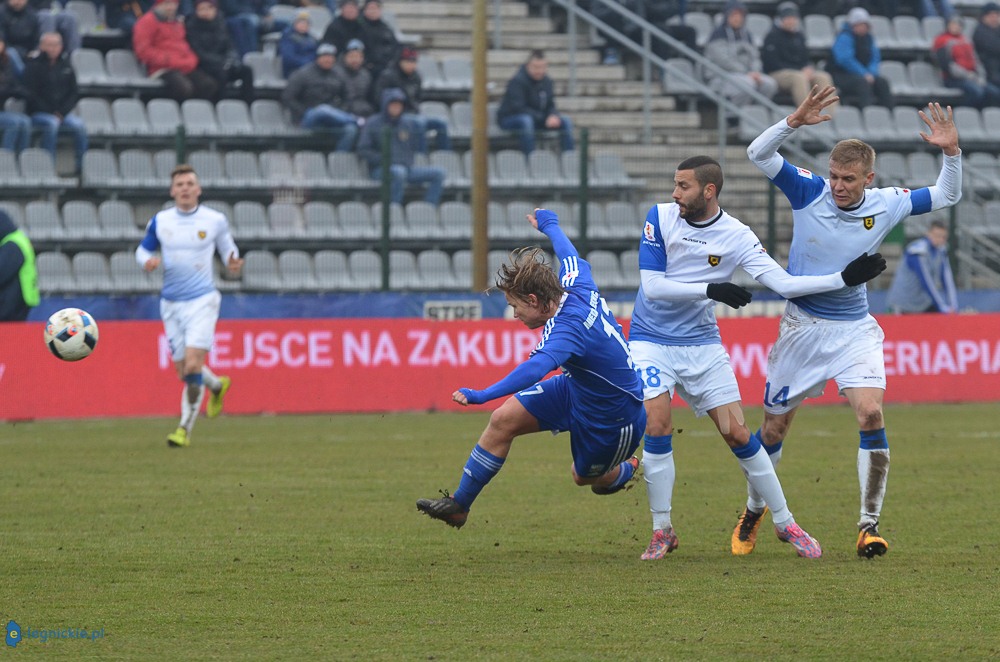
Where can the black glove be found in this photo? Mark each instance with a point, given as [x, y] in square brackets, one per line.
[730, 294]
[863, 269]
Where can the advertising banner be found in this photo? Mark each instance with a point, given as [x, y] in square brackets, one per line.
[367, 365]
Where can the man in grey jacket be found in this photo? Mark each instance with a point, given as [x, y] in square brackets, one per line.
[357, 80]
[732, 48]
[316, 96]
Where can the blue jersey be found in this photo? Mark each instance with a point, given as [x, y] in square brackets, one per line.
[187, 242]
[826, 238]
[586, 340]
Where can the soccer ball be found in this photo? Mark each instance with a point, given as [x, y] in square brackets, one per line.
[71, 334]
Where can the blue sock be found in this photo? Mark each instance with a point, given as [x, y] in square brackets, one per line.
[479, 470]
[194, 378]
[657, 445]
[624, 475]
[769, 449]
[873, 440]
[748, 451]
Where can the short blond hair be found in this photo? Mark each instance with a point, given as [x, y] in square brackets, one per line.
[852, 152]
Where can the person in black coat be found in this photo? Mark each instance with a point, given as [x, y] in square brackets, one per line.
[51, 93]
[529, 104]
[16, 127]
[381, 46]
[21, 28]
[345, 27]
[986, 39]
[403, 75]
[785, 56]
[209, 39]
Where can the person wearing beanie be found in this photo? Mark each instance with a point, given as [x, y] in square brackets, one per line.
[381, 46]
[297, 47]
[345, 26]
[403, 145]
[159, 40]
[403, 75]
[986, 39]
[731, 48]
[316, 97]
[961, 69]
[357, 80]
[209, 39]
[854, 63]
[785, 56]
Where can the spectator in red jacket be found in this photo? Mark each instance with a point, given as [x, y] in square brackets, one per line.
[960, 68]
[160, 43]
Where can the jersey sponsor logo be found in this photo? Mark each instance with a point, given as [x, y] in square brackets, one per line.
[804, 173]
[869, 222]
[714, 260]
[202, 234]
[694, 241]
[649, 232]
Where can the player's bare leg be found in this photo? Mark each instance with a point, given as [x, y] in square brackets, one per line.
[509, 421]
[873, 467]
[659, 473]
[189, 370]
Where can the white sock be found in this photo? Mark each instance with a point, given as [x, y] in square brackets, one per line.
[211, 381]
[755, 501]
[658, 470]
[189, 409]
[760, 475]
[873, 472]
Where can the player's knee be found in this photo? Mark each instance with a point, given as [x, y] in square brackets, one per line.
[773, 432]
[870, 416]
[503, 422]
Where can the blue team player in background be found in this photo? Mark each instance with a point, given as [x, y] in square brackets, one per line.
[598, 398]
[187, 236]
[831, 335]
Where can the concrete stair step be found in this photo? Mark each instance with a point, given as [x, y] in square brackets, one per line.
[516, 57]
[513, 26]
[404, 11]
[586, 73]
[613, 104]
[596, 120]
[523, 42]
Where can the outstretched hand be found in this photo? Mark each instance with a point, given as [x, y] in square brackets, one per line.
[810, 111]
[460, 398]
[531, 218]
[941, 128]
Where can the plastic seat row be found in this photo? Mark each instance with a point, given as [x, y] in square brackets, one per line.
[33, 168]
[78, 220]
[92, 272]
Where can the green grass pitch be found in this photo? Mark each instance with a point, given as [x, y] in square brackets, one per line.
[296, 538]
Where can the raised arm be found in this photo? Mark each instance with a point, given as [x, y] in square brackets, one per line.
[860, 270]
[942, 132]
[763, 151]
[520, 378]
[547, 222]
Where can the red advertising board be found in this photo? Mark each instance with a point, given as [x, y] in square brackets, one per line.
[356, 365]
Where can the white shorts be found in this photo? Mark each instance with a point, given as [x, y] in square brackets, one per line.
[700, 374]
[811, 350]
[190, 323]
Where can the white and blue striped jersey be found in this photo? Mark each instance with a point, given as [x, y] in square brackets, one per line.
[585, 339]
[825, 238]
[187, 241]
[706, 252]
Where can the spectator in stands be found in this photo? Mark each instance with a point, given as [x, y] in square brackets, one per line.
[297, 46]
[160, 44]
[404, 76]
[731, 47]
[357, 80]
[918, 8]
[785, 56]
[21, 30]
[247, 20]
[345, 26]
[123, 14]
[986, 38]
[404, 144]
[854, 63]
[57, 20]
[662, 13]
[960, 68]
[529, 104]
[16, 127]
[18, 276]
[923, 282]
[611, 50]
[209, 39]
[315, 95]
[51, 94]
[381, 46]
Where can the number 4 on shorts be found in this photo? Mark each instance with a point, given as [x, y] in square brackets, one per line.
[780, 398]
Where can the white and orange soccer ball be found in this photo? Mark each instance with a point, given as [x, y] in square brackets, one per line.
[71, 334]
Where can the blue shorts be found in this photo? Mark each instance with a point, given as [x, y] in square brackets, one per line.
[596, 448]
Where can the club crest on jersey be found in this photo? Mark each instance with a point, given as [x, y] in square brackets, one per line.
[649, 232]
[869, 222]
[202, 234]
[804, 173]
[714, 260]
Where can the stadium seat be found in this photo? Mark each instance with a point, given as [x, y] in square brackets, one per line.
[623, 220]
[366, 270]
[222, 207]
[118, 221]
[296, 268]
[437, 109]
[908, 124]
[309, 169]
[973, 130]
[123, 69]
[42, 221]
[496, 217]
[435, 270]
[610, 171]
[898, 77]
[461, 263]
[397, 219]
[456, 220]
[567, 220]
[269, 117]
[127, 275]
[260, 271]
[517, 226]
[451, 163]
[80, 220]
[100, 169]
[923, 169]
[164, 162]
[430, 73]
[606, 269]
[286, 220]
[491, 167]
[926, 79]
[511, 169]
[702, 24]
[457, 73]
[680, 78]
[38, 169]
[848, 122]
[819, 32]
[494, 260]
[595, 218]
[321, 220]
[88, 65]
[210, 168]
[545, 169]
[356, 221]
[276, 169]
[910, 34]
[422, 220]
[991, 120]
[250, 220]
[891, 169]
[234, 118]
[346, 171]
[571, 167]
[198, 116]
[164, 116]
[757, 25]
[879, 124]
[242, 170]
[130, 117]
[15, 211]
[10, 172]
[91, 272]
[266, 71]
[332, 272]
[630, 269]
[982, 171]
[55, 272]
[96, 116]
[461, 119]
